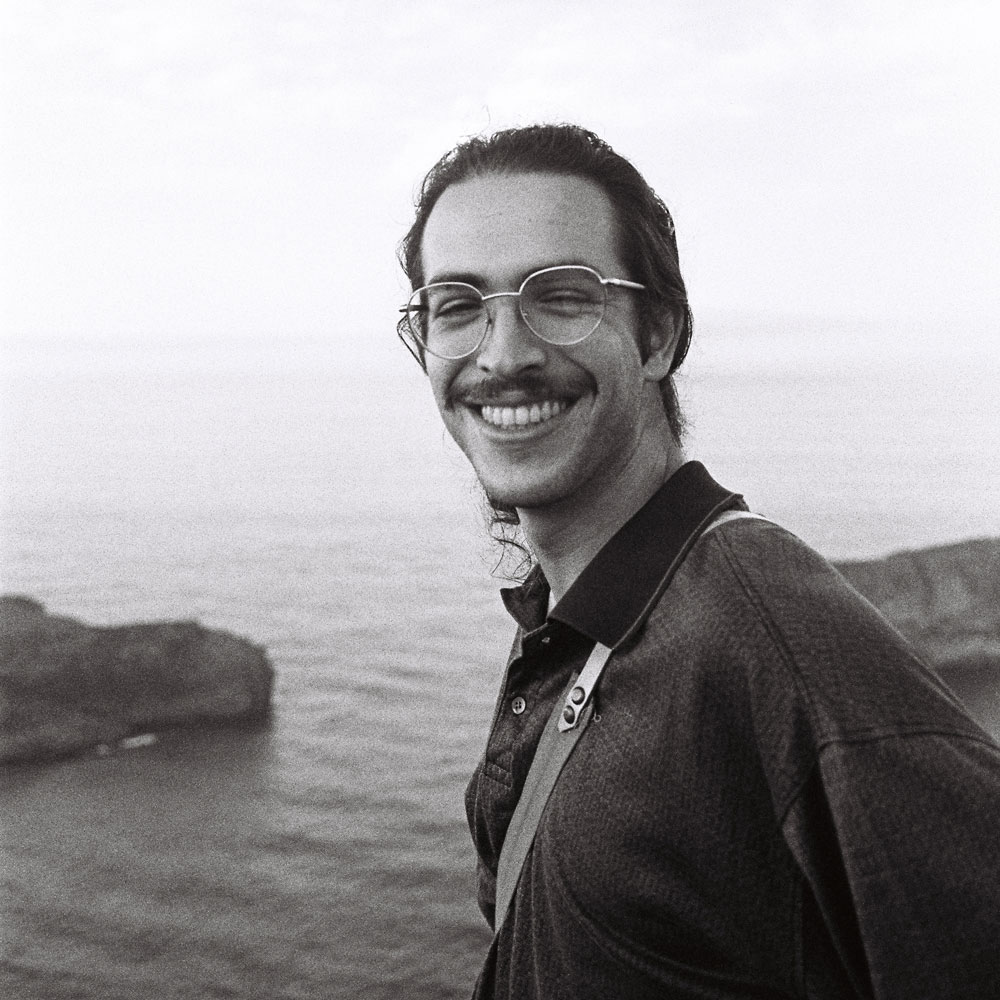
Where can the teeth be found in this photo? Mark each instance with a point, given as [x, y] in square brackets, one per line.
[521, 416]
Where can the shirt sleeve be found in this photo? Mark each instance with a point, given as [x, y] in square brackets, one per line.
[897, 839]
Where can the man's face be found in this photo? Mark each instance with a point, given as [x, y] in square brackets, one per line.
[587, 406]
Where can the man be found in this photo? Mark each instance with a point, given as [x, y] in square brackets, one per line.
[766, 793]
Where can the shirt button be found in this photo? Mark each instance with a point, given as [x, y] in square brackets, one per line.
[518, 705]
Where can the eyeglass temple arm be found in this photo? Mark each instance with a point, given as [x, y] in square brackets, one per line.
[412, 349]
[406, 340]
[622, 283]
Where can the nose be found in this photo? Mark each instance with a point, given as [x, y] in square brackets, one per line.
[509, 346]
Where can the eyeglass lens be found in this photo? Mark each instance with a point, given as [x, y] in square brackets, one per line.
[561, 305]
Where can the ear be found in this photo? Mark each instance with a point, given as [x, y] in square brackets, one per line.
[660, 356]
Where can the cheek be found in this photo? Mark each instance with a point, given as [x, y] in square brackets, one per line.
[440, 374]
[619, 363]
[439, 377]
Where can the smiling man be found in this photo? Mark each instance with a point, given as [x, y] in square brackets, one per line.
[714, 771]
[577, 440]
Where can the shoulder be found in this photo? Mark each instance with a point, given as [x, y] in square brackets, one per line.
[784, 585]
[771, 565]
[799, 630]
[757, 578]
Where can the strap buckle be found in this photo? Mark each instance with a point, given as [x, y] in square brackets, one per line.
[583, 688]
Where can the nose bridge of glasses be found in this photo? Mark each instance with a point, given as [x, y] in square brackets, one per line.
[500, 295]
[491, 317]
[510, 343]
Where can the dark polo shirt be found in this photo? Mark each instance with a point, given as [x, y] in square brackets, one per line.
[774, 798]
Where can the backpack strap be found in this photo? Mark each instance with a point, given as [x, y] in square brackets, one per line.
[563, 729]
[732, 515]
[554, 747]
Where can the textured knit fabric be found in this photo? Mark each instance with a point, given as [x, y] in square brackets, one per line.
[775, 798]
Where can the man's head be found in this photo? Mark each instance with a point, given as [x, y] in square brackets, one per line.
[644, 228]
[558, 391]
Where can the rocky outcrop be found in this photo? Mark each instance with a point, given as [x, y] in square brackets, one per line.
[946, 601]
[66, 686]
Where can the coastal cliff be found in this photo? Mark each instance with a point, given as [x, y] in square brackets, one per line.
[67, 687]
[946, 601]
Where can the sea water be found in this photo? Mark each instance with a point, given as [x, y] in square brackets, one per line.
[312, 503]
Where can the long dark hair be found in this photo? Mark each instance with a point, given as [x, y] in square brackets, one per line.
[647, 243]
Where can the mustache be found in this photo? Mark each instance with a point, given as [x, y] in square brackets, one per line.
[498, 389]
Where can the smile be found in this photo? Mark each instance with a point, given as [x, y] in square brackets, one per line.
[523, 415]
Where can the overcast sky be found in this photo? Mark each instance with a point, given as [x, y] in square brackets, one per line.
[223, 170]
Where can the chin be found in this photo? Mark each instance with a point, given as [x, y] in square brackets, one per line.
[522, 496]
[529, 481]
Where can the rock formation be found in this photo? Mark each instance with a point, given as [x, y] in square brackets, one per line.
[66, 687]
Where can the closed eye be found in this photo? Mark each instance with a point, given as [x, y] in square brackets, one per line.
[456, 307]
[564, 301]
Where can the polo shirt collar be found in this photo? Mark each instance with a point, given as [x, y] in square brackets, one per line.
[611, 599]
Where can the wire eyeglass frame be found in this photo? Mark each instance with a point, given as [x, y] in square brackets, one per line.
[415, 307]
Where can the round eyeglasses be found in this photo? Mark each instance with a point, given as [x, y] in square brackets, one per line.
[561, 305]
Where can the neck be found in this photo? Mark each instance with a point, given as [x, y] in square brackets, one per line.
[566, 536]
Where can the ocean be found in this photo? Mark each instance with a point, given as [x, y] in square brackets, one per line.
[312, 503]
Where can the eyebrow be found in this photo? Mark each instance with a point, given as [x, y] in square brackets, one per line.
[467, 277]
[478, 281]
